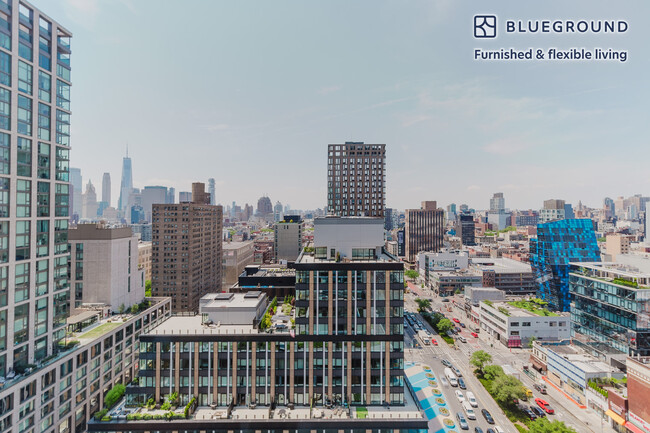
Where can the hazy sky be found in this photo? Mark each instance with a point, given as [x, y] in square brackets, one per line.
[251, 93]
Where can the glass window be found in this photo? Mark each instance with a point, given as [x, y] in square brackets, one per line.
[23, 198]
[24, 166]
[22, 240]
[62, 128]
[62, 164]
[25, 51]
[62, 95]
[62, 200]
[43, 199]
[24, 77]
[43, 160]
[61, 243]
[44, 86]
[22, 282]
[5, 68]
[42, 271]
[42, 238]
[62, 68]
[21, 324]
[43, 121]
[5, 145]
[24, 115]
[5, 109]
[4, 197]
[4, 242]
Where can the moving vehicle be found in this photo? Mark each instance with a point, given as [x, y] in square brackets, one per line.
[451, 377]
[545, 406]
[541, 387]
[469, 395]
[423, 336]
[463, 339]
[444, 381]
[460, 396]
[474, 334]
[445, 300]
[498, 429]
[529, 393]
[462, 422]
[468, 410]
[478, 430]
[462, 325]
[455, 320]
[457, 371]
[488, 416]
[529, 413]
[490, 430]
[434, 341]
[461, 383]
[445, 362]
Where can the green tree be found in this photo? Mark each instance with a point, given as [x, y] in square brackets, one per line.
[121, 309]
[444, 325]
[491, 372]
[543, 425]
[480, 359]
[423, 304]
[135, 308]
[506, 388]
[147, 288]
[412, 274]
[531, 341]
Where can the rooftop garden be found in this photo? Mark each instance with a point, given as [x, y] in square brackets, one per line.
[626, 283]
[535, 306]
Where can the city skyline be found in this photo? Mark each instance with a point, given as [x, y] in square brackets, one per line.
[531, 130]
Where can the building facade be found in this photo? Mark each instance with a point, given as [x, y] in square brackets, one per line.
[558, 243]
[553, 210]
[610, 310]
[187, 250]
[126, 184]
[145, 251]
[424, 230]
[236, 256]
[106, 189]
[288, 238]
[104, 267]
[511, 276]
[465, 229]
[356, 176]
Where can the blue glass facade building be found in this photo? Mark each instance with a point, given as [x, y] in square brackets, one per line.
[557, 244]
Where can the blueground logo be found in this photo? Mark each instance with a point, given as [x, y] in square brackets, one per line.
[485, 26]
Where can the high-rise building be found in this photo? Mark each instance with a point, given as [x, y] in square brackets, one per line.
[104, 267]
[557, 244]
[388, 219]
[498, 202]
[277, 212]
[187, 250]
[171, 195]
[424, 229]
[76, 185]
[264, 206]
[356, 179]
[89, 206]
[465, 229]
[152, 195]
[288, 238]
[106, 189]
[212, 189]
[126, 184]
[553, 210]
[184, 196]
[609, 309]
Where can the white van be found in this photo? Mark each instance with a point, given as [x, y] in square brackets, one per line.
[471, 399]
[453, 381]
[467, 407]
[498, 429]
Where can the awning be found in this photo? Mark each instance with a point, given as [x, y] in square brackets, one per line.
[82, 317]
[514, 341]
[631, 427]
[616, 417]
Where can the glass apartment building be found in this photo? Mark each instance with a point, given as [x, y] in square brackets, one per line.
[610, 311]
[559, 243]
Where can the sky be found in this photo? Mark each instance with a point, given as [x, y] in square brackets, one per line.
[251, 92]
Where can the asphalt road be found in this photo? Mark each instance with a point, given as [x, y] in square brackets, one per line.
[583, 420]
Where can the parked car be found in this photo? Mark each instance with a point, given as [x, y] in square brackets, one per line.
[529, 413]
[457, 371]
[490, 430]
[545, 406]
[498, 429]
[461, 383]
[474, 334]
[445, 362]
[434, 341]
[445, 300]
[538, 411]
[478, 430]
[488, 416]
[463, 339]
[460, 396]
[462, 422]
[455, 320]
[462, 325]
[540, 387]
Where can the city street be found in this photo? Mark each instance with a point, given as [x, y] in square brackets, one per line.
[583, 420]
